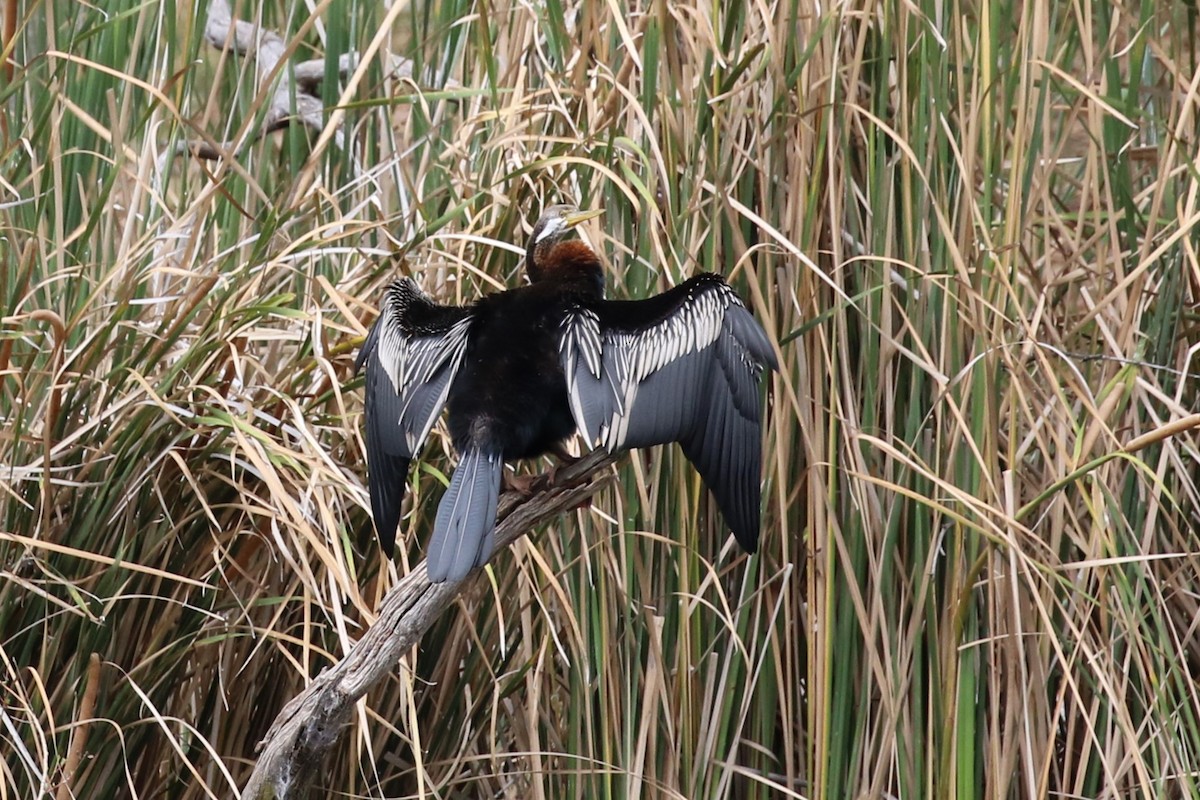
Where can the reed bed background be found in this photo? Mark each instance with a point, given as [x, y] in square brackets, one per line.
[971, 227]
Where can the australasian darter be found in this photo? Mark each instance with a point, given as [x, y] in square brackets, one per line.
[524, 369]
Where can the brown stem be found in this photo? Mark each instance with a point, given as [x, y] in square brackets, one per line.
[79, 736]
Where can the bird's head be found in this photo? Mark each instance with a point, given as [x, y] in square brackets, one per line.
[548, 255]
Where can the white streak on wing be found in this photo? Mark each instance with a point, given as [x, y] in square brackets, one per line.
[581, 338]
[691, 329]
[391, 348]
[623, 360]
[411, 362]
[433, 354]
[577, 412]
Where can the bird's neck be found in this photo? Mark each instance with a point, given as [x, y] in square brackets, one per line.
[572, 262]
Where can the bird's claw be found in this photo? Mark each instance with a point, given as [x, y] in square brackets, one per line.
[524, 485]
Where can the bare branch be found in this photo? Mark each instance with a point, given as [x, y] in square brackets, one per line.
[295, 95]
[311, 723]
[268, 49]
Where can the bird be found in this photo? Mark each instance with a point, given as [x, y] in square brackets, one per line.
[521, 371]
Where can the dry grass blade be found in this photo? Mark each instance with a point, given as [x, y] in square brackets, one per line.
[971, 229]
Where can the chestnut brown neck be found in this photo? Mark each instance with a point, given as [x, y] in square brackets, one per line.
[564, 261]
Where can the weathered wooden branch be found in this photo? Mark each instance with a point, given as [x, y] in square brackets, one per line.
[296, 85]
[310, 724]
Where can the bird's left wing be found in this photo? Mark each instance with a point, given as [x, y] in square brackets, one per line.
[412, 354]
[680, 367]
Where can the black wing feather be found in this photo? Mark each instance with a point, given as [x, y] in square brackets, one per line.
[411, 354]
[683, 366]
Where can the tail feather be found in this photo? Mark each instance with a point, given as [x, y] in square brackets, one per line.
[463, 535]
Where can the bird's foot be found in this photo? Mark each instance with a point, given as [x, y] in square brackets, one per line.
[564, 455]
[565, 459]
[528, 485]
[525, 485]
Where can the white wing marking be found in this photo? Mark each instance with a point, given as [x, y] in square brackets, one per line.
[623, 360]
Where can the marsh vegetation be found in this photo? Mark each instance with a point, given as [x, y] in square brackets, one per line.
[971, 228]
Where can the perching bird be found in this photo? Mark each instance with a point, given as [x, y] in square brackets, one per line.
[524, 369]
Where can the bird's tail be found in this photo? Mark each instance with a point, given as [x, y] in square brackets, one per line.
[463, 535]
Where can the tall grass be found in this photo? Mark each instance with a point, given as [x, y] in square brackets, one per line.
[971, 228]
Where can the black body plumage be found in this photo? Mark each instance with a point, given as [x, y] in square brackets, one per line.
[524, 369]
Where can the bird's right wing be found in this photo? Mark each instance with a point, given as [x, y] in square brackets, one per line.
[412, 354]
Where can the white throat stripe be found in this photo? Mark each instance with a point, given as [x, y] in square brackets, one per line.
[552, 227]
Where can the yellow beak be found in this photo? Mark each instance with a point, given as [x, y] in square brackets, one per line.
[576, 217]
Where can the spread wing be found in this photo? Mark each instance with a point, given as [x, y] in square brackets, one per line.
[412, 354]
[683, 366]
